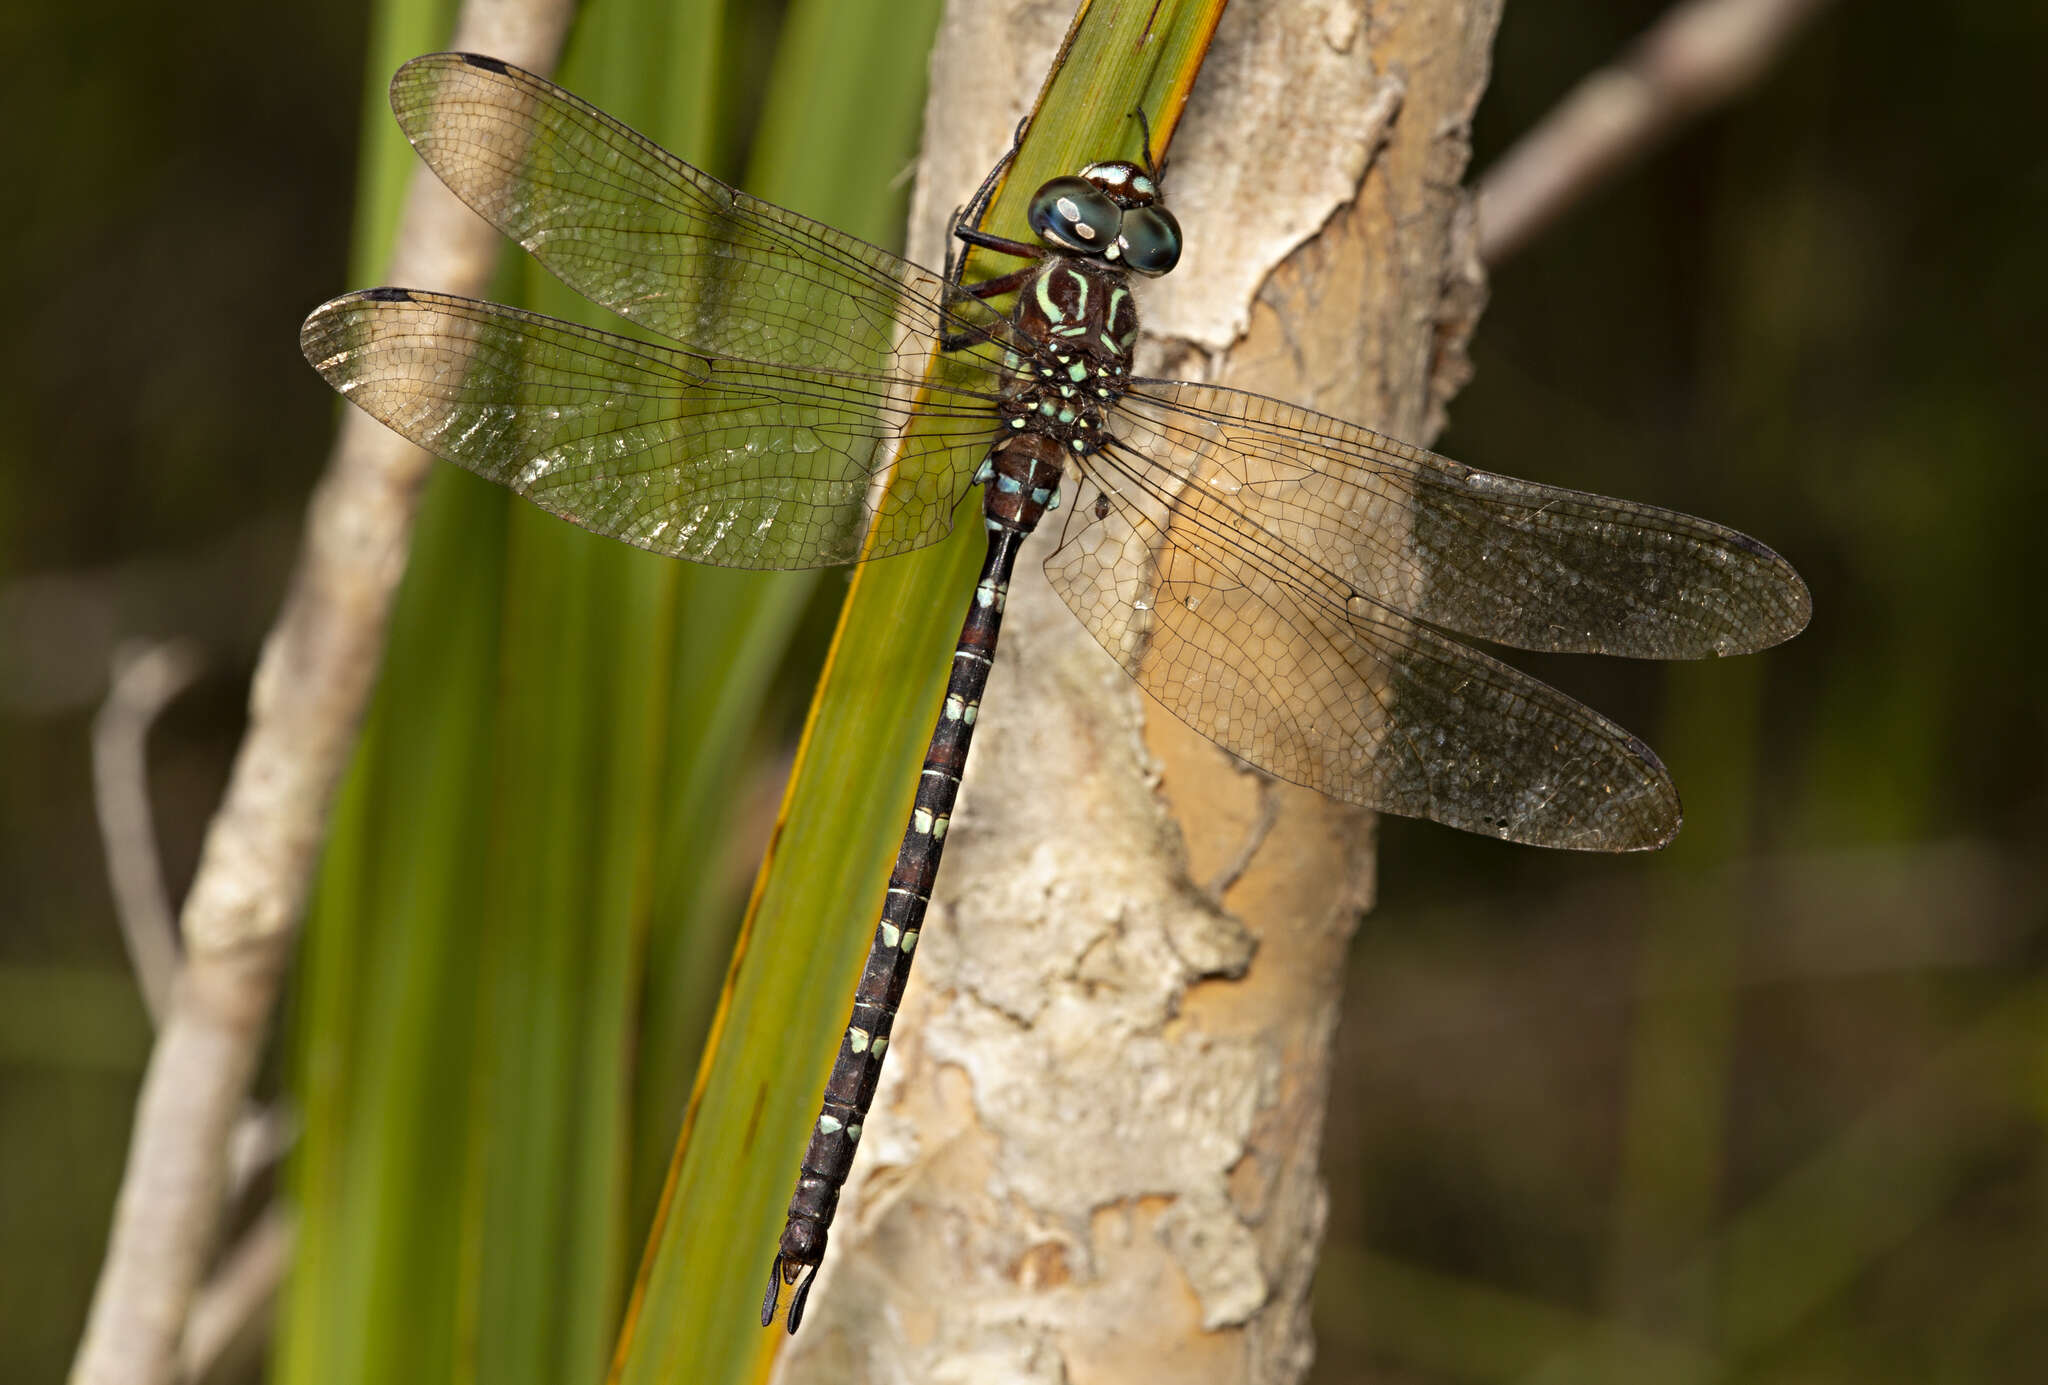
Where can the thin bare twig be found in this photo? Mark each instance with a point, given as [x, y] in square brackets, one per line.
[1255, 837]
[1698, 55]
[261, 1139]
[144, 683]
[238, 1301]
[310, 690]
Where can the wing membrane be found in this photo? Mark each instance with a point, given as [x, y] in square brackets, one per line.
[1275, 663]
[634, 228]
[1277, 578]
[1533, 566]
[720, 461]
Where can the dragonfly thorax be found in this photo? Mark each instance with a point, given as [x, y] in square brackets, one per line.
[1077, 323]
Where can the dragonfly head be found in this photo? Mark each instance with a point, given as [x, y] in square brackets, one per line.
[1109, 211]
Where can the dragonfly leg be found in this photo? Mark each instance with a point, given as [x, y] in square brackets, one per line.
[967, 219]
[977, 206]
[964, 232]
[986, 289]
[1002, 245]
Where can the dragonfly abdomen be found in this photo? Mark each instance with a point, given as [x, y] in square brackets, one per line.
[1023, 477]
[1054, 408]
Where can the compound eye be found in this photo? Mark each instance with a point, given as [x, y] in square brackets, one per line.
[1150, 240]
[1075, 215]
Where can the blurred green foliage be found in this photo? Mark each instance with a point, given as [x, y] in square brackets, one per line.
[532, 887]
[1766, 1107]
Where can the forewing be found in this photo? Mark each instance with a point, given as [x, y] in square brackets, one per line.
[1248, 645]
[634, 228]
[720, 461]
[1533, 566]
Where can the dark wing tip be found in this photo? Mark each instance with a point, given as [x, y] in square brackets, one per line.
[454, 58]
[1644, 815]
[1791, 604]
[325, 328]
[1666, 831]
[1801, 604]
[1662, 826]
[316, 332]
[401, 79]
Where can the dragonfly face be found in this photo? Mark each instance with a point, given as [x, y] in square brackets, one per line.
[1109, 211]
[1075, 325]
[1287, 583]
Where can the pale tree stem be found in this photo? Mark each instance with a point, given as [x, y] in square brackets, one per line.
[1094, 1151]
[1700, 54]
[239, 922]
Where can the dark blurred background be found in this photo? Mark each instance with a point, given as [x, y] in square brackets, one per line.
[1767, 1106]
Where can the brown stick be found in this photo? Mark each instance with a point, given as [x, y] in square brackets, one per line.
[311, 686]
[1698, 55]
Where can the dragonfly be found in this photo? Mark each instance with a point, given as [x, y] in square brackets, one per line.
[1287, 583]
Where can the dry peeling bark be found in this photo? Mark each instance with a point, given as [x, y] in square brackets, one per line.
[1093, 1156]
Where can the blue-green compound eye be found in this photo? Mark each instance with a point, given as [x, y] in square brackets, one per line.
[1150, 240]
[1075, 215]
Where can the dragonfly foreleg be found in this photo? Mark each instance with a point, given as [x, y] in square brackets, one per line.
[964, 232]
[980, 292]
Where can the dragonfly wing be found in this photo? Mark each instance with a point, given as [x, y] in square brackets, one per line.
[634, 228]
[1533, 566]
[1268, 658]
[723, 462]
